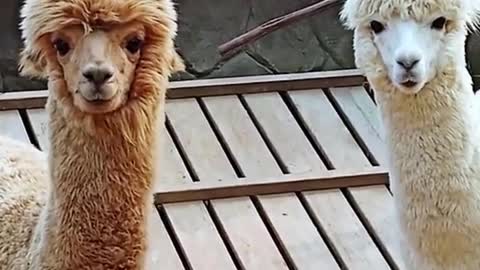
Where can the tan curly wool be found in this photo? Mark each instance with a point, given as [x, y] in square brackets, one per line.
[89, 208]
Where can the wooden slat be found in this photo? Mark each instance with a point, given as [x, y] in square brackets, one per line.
[215, 87]
[191, 221]
[251, 186]
[274, 119]
[170, 168]
[252, 244]
[327, 127]
[345, 230]
[288, 141]
[354, 244]
[363, 115]
[161, 253]
[11, 125]
[299, 237]
[162, 250]
[375, 203]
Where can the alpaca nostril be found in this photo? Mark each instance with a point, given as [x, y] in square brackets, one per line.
[98, 75]
[408, 63]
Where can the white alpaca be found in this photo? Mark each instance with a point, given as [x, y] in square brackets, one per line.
[412, 52]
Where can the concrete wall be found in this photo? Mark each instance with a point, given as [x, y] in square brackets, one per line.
[314, 44]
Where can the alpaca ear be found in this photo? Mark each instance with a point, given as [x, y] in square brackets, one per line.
[346, 14]
[32, 64]
[177, 64]
[474, 22]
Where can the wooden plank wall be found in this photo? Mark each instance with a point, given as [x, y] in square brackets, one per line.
[252, 136]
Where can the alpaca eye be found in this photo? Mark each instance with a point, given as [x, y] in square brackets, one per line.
[61, 46]
[133, 45]
[439, 23]
[376, 26]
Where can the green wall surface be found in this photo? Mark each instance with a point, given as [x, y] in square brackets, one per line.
[314, 44]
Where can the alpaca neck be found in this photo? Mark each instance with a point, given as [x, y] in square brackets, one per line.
[436, 128]
[101, 192]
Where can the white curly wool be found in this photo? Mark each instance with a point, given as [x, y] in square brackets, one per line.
[20, 163]
[412, 52]
[23, 187]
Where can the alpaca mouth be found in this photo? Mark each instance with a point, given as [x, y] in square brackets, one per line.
[98, 106]
[98, 102]
[409, 83]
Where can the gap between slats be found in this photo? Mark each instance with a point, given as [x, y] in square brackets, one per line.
[29, 128]
[174, 238]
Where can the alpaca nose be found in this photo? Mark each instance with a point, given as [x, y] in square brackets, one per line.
[408, 63]
[98, 75]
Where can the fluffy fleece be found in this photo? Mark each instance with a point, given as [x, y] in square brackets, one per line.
[432, 136]
[92, 211]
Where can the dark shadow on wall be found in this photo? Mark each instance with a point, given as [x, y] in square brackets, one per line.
[473, 58]
[9, 48]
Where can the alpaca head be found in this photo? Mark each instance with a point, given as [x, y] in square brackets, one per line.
[98, 67]
[100, 54]
[402, 45]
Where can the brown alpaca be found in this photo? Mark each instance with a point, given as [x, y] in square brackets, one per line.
[107, 63]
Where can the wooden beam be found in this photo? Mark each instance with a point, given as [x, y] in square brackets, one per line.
[266, 83]
[33, 99]
[272, 185]
[216, 87]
